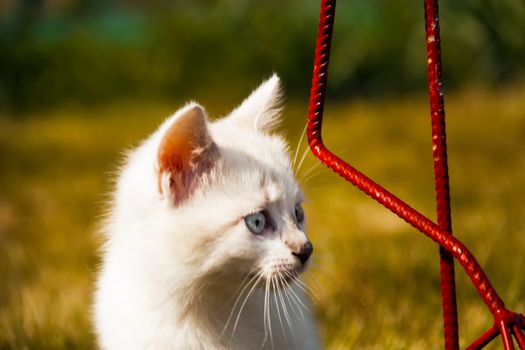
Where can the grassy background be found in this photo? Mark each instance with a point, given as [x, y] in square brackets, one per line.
[377, 279]
[82, 80]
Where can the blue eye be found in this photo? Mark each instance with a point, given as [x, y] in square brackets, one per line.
[299, 213]
[256, 222]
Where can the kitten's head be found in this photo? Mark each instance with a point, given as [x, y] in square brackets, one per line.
[219, 199]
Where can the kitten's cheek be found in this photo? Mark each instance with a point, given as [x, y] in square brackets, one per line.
[261, 238]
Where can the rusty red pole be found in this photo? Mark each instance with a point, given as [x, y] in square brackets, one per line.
[439, 151]
[506, 323]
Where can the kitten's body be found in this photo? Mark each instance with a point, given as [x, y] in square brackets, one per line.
[181, 268]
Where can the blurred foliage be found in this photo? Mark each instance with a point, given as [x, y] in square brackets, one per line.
[86, 51]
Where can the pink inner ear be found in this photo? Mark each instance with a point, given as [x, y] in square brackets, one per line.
[179, 149]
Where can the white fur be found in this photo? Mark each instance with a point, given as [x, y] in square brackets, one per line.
[172, 275]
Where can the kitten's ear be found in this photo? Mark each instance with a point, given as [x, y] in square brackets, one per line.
[185, 152]
[261, 110]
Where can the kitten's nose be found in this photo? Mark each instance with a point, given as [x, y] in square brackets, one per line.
[304, 253]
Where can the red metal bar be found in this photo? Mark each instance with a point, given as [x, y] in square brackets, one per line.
[520, 337]
[506, 337]
[439, 150]
[507, 324]
[505, 319]
[365, 184]
[485, 339]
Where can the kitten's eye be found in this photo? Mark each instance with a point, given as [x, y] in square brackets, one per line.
[256, 222]
[299, 213]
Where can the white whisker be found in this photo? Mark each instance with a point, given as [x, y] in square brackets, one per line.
[285, 309]
[298, 146]
[314, 281]
[302, 160]
[267, 309]
[290, 294]
[306, 288]
[297, 297]
[310, 172]
[237, 301]
[274, 285]
[243, 304]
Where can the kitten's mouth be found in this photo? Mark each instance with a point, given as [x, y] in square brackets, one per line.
[277, 275]
[284, 274]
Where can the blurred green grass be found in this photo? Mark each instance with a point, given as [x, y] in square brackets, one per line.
[147, 49]
[377, 279]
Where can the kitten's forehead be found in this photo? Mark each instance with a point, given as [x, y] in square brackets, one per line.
[270, 150]
[281, 186]
[260, 161]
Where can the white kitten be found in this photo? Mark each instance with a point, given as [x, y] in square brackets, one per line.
[205, 239]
